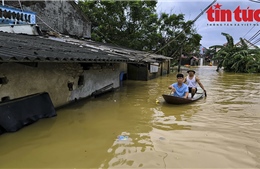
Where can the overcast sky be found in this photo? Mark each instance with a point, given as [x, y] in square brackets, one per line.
[211, 35]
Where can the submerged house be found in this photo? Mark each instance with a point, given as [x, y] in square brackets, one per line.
[64, 69]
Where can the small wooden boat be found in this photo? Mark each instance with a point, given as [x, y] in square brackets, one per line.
[178, 100]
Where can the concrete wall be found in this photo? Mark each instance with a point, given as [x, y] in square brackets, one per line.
[154, 74]
[137, 71]
[165, 68]
[61, 16]
[53, 78]
[96, 78]
[142, 71]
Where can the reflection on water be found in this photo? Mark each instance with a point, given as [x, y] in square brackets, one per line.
[129, 129]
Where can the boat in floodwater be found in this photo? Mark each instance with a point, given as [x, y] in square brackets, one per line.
[178, 100]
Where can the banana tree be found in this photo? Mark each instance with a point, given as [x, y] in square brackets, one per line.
[238, 58]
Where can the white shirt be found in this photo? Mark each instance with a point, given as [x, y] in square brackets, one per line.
[191, 82]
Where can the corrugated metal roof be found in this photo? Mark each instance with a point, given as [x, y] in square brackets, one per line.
[25, 48]
[134, 54]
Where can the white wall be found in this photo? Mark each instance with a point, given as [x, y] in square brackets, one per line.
[95, 80]
[53, 78]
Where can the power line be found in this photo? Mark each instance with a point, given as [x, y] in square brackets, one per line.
[183, 31]
[256, 41]
[254, 36]
[248, 31]
[257, 1]
[249, 44]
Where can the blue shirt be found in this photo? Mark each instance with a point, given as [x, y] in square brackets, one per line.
[180, 91]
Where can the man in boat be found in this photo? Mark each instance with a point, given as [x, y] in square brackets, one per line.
[179, 88]
[192, 82]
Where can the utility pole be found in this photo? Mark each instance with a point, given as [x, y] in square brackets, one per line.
[179, 65]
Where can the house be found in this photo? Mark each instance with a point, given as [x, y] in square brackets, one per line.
[17, 21]
[51, 16]
[249, 44]
[57, 69]
[65, 68]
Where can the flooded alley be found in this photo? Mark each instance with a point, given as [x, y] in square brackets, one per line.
[219, 131]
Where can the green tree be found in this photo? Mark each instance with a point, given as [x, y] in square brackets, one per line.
[181, 34]
[136, 25]
[131, 24]
[238, 58]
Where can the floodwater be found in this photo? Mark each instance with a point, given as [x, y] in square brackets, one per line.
[220, 131]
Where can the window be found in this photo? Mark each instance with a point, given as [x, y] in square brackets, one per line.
[3, 80]
[81, 80]
[154, 67]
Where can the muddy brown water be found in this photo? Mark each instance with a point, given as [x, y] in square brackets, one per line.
[220, 131]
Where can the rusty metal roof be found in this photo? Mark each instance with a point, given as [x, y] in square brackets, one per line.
[25, 48]
[135, 55]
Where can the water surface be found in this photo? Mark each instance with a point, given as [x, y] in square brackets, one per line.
[220, 131]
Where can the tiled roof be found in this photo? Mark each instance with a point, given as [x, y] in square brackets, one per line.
[24, 48]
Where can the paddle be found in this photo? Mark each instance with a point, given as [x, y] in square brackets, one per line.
[205, 93]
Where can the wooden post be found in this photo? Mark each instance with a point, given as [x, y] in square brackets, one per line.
[179, 66]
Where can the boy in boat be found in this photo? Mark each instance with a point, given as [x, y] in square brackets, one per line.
[179, 88]
[192, 82]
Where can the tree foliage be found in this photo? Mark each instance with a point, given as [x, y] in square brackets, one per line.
[238, 58]
[136, 25]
